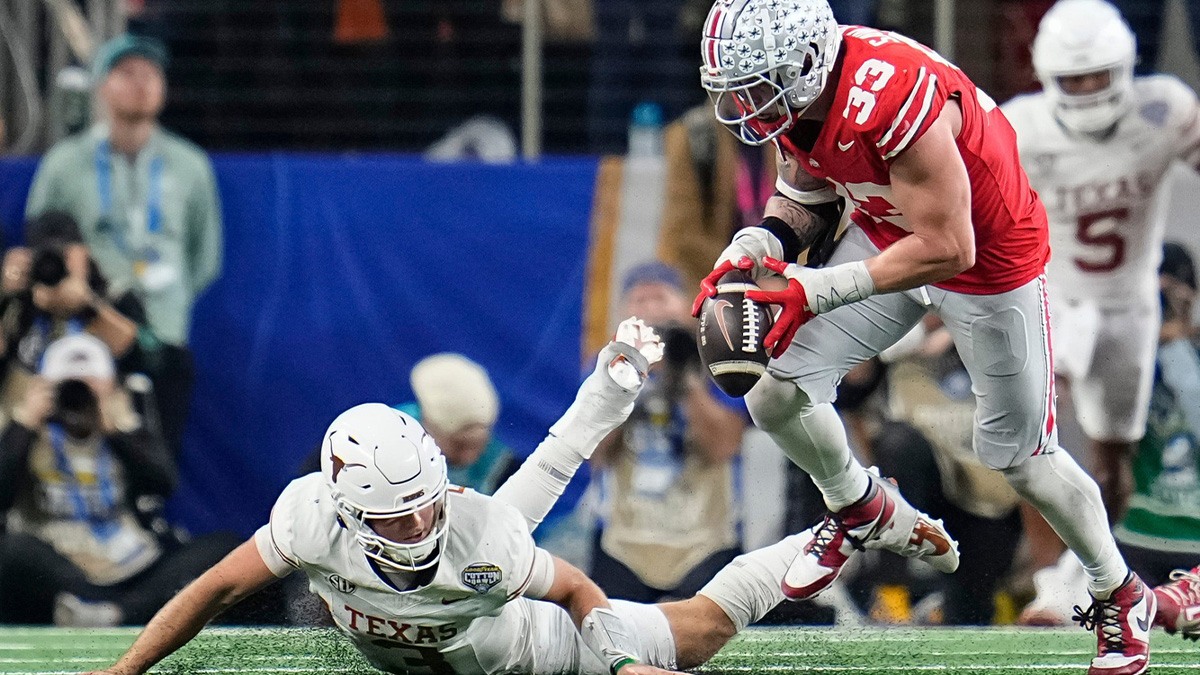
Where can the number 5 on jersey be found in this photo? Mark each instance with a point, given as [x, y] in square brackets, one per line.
[872, 76]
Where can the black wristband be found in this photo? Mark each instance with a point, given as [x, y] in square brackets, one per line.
[786, 236]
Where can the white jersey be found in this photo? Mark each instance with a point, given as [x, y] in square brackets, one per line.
[463, 621]
[1101, 196]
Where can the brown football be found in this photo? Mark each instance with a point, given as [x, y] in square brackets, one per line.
[730, 335]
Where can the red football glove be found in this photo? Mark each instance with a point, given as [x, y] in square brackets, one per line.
[794, 303]
[708, 286]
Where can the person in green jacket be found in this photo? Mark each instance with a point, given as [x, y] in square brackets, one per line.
[146, 202]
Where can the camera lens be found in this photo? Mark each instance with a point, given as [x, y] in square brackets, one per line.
[49, 267]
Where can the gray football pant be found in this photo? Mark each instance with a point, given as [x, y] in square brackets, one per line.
[1004, 342]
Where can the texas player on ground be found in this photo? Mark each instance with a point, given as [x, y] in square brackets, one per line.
[941, 219]
[424, 577]
[1097, 143]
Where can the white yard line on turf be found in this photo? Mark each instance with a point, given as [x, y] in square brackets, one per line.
[90, 659]
[1037, 668]
[359, 669]
[1041, 652]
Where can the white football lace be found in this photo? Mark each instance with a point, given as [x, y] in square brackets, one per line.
[750, 329]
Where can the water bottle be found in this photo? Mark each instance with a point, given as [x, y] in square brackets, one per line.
[646, 130]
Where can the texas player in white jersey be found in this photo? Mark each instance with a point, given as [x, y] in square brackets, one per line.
[1097, 143]
[428, 578]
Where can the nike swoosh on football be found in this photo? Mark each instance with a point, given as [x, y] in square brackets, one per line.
[845, 146]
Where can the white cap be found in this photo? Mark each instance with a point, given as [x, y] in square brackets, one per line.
[454, 392]
[76, 357]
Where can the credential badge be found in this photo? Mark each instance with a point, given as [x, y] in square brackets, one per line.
[481, 576]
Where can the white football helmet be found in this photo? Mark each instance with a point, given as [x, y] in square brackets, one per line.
[380, 463]
[766, 61]
[1078, 37]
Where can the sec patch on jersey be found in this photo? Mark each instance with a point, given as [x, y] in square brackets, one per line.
[730, 335]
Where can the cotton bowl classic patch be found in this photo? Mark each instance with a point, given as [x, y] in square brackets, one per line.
[481, 576]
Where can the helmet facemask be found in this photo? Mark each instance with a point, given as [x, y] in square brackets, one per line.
[380, 464]
[755, 107]
[1096, 111]
[395, 555]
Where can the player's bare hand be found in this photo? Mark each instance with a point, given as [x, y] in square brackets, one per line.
[793, 303]
[643, 669]
[708, 286]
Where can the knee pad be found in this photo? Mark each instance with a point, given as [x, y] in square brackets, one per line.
[1045, 475]
[1000, 446]
[774, 402]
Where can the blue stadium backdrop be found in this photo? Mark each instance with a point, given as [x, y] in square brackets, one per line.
[340, 273]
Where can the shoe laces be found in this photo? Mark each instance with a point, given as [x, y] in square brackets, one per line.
[1105, 615]
[1186, 582]
[826, 534]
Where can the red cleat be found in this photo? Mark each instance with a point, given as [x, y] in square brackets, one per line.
[881, 520]
[1122, 626]
[819, 565]
[1179, 604]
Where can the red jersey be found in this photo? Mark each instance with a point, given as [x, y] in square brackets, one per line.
[890, 92]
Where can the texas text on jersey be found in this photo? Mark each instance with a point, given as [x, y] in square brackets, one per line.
[1101, 193]
[461, 621]
[890, 92]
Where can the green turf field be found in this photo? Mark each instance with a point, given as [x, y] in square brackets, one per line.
[25, 651]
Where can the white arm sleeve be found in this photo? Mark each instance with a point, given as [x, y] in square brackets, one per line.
[601, 406]
[542, 576]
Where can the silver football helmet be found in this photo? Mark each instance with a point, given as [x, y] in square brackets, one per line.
[766, 61]
[1080, 37]
[379, 463]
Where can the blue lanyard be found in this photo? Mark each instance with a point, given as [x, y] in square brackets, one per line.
[103, 529]
[153, 197]
[74, 327]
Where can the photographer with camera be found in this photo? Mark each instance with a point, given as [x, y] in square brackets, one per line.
[146, 202]
[72, 460]
[52, 288]
[666, 478]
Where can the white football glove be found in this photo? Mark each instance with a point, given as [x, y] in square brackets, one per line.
[754, 243]
[606, 397]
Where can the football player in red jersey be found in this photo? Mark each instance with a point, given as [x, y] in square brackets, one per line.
[938, 216]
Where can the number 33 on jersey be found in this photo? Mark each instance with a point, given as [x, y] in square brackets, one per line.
[890, 91]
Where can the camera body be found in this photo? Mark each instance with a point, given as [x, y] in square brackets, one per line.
[76, 408]
[49, 265]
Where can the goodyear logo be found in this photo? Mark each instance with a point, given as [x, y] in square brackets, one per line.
[481, 576]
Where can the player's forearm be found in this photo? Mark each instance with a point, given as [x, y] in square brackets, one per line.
[917, 260]
[240, 574]
[176, 624]
[806, 225]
